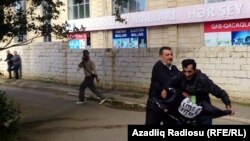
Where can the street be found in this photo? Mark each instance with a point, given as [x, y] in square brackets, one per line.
[48, 116]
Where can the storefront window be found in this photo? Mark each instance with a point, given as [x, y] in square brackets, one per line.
[227, 33]
[79, 40]
[78, 10]
[130, 38]
[131, 6]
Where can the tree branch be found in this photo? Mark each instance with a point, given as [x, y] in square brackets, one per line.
[20, 44]
[8, 42]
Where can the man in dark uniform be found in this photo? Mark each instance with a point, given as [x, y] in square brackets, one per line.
[197, 86]
[9, 62]
[163, 72]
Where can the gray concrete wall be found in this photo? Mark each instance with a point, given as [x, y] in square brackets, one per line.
[130, 69]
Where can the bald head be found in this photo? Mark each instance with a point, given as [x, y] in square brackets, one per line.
[8, 52]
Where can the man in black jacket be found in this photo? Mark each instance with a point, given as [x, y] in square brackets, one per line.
[196, 85]
[9, 62]
[163, 72]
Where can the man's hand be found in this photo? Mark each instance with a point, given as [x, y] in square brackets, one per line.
[186, 94]
[164, 94]
[228, 107]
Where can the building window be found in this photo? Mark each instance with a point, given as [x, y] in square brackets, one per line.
[78, 10]
[131, 6]
[47, 38]
[20, 5]
[213, 1]
[21, 29]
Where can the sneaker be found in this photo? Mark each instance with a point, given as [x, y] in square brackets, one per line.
[79, 102]
[102, 101]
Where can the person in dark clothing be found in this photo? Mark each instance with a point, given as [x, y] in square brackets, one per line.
[163, 71]
[90, 74]
[9, 62]
[16, 64]
[196, 85]
[184, 110]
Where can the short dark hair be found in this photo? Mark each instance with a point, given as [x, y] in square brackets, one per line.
[187, 62]
[164, 48]
[85, 51]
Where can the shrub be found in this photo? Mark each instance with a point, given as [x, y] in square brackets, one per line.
[9, 118]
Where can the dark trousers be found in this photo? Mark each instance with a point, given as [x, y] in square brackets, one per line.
[205, 120]
[88, 82]
[9, 70]
[16, 69]
[155, 115]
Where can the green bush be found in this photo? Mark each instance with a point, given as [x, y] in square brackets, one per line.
[9, 118]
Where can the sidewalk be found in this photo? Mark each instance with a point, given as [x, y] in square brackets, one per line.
[128, 98]
[117, 99]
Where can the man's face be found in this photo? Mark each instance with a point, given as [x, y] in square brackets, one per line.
[86, 55]
[167, 56]
[189, 72]
[8, 52]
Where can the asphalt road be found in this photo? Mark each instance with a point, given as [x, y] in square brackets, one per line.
[48, 116]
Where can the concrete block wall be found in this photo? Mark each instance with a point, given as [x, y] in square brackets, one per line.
[226, 66]
[46, 61]
[130, 69]
[120, 69]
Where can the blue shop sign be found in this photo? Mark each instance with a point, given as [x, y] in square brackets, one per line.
[130, 38]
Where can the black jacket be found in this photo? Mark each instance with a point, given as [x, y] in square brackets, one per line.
[181, 109]
[8, 58]
[200, 86]
[161, 76]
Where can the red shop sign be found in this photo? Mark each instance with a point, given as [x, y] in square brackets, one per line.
[227, 26]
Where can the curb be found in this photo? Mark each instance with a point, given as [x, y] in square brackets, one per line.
[243, 120]
[143, 106]
[126, 105]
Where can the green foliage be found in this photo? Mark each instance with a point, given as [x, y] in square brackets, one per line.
[16, 21]
[9, 118]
